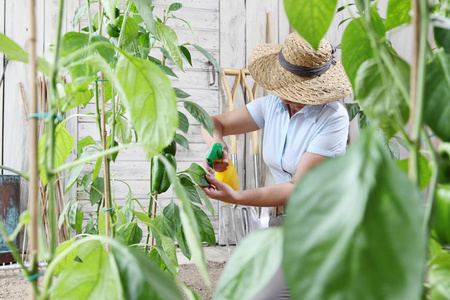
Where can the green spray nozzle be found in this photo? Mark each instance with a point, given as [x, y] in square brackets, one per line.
[214, 154]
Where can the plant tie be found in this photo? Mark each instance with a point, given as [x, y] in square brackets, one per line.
[31, 277]
[43, 115]
[106, 209]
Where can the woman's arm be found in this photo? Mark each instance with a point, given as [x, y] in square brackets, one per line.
[274, 195]
[234, 122]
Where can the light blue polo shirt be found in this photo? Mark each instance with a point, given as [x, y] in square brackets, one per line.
[320, 129]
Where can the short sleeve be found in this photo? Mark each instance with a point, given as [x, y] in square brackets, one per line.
[332, 138]
[258, 109]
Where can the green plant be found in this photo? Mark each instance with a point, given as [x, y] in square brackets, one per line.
[357, 226]
[142, 113]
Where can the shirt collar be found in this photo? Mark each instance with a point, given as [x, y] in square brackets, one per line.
[311, 112]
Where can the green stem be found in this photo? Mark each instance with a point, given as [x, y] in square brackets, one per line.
[97, 112]
[91, 27]
[50, 131]
[420, 25]
[16, 254]
[15, 172]
[94, 157]
[433, 183]
[122, 29]
[150, 205]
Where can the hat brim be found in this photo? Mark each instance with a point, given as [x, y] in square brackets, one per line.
[267, 72]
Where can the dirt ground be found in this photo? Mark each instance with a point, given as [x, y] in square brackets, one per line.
[14, 287]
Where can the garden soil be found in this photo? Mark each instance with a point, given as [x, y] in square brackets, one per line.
[14, 287]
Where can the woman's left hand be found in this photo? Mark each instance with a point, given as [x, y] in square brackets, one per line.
[219, 190]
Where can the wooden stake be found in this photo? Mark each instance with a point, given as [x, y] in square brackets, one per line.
[106, 203]
[33, 138]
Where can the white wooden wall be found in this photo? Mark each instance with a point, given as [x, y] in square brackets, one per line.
[227, 29]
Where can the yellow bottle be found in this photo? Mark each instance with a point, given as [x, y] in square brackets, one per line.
[229, 176]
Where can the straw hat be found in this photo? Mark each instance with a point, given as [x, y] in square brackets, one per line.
[283, 70]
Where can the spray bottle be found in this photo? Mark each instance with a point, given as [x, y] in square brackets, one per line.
[229, 176]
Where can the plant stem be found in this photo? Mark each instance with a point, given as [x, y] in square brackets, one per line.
[150, 205]
[16, 254]
[420, 27]
[94, 157]
[14, 171]
[433, 183]
[50, 142]
[122, 29]
[33, 191]
[91, 29]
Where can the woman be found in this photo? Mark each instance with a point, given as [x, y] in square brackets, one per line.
[303, 125]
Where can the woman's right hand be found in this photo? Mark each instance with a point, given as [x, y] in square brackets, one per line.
[218, 166]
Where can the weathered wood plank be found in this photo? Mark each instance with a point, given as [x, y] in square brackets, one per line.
[15, 128]
[232, 55]
[199, 5]
[206, 19]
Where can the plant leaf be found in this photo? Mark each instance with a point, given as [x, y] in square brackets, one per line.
[64, 142]
[437, 106]
[355, 47]
[397, 13]
[145, 9]
[129, 235]
[198, 174]
[96, 277]
[79, 13]
[209, 57]
[205, 198]
[183, 122]
[189, 188]
[97, 190]
[424, 170]
[140, 278]
[180, 93]
[200, 114]
[204, 224]
[130, 32]
[310, 18]
[387, 106]
[335, 229]
[174, 7]
[353, 110]
[252, 265]
[169, 39]
[67, 259]
[150, 102]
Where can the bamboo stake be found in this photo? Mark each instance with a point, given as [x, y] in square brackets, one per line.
[106, 203]
[33, 138]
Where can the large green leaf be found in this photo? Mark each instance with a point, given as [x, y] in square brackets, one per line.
[68, 259]
[346, 239]
[171, 217]
[95, 277]
[189, 188]
[97, 190]
[310, 18]
[129, 234]
[424, 170]
[141, 279]
[252, 265]
[209, 57]
[204, 225]
[437, 95]
[63, 146]
[145, 10]
[439, 273]
[130, 32]
[15, 52]
[169, 39]
[198, 174]
[151, 101]
[355, 47]
[200, 114]
[382, 100]
[397, 13]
